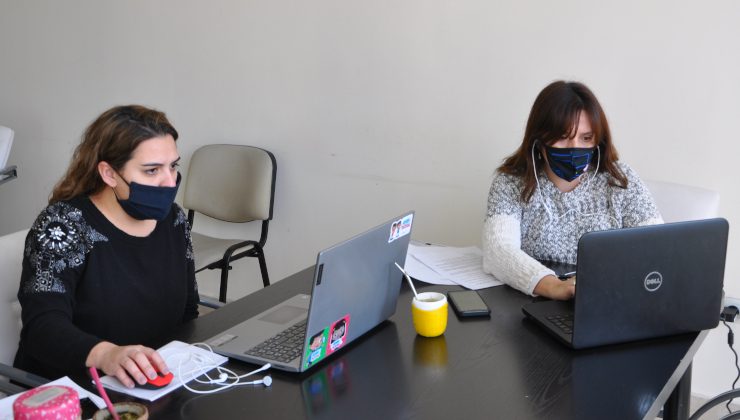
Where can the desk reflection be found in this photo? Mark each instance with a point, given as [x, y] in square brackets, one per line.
[594, 370]
[577, 388]
[341, 387]
[430, 352]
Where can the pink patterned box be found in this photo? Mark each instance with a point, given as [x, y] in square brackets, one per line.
[48, 402]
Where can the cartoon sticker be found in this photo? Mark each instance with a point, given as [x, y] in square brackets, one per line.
[327, 341]
[401, 227]
[317, 348]
[338, 334]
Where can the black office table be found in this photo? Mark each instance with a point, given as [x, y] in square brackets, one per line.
[499, 367]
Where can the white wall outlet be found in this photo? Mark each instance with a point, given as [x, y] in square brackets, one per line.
[732, 301]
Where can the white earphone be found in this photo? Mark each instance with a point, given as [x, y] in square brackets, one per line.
[226, 378]
[266, 381]
[221, 378]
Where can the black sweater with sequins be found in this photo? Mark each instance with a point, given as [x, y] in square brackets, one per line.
[85, 281]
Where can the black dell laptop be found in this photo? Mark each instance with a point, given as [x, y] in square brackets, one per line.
[642, 282]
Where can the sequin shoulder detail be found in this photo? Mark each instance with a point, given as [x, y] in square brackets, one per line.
[59, 240]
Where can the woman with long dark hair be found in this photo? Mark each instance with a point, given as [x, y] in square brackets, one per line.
[564, 180]
[108, 264]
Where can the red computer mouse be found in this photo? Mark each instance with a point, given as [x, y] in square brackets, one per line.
[158, 382]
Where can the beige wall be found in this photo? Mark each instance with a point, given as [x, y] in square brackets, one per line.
[375, 107]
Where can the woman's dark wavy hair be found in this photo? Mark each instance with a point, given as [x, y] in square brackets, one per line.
[554, 115]
[111, 138]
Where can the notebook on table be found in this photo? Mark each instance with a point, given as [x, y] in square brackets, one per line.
[642, 282]
[355, 288]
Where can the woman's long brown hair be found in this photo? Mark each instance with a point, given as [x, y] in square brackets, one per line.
[111, 138]
[554, 115]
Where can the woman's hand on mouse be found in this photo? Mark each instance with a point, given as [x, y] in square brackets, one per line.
[127, 362]
[554, 288]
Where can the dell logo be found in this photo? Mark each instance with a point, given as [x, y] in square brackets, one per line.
[653, 281]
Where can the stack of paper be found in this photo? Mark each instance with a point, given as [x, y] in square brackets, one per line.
[448, 265]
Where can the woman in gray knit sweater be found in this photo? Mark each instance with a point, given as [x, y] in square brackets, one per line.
[564, 180]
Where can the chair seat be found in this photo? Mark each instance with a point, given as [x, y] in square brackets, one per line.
[11, 259]
[10, 312]
[208, 249]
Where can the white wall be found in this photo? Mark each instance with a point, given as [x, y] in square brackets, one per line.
[375, 107]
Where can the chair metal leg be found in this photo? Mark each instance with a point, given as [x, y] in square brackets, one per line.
[225, 267]
[263, 268]
[224, 281]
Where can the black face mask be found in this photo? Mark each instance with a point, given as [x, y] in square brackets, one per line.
[149, 202]
[570, 162]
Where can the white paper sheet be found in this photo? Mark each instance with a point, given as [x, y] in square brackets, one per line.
[463, 266]
[182, 364]
[419, 271]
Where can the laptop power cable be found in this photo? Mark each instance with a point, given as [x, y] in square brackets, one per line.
[729, 313]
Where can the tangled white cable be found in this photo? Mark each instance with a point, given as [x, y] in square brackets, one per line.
[194, 366]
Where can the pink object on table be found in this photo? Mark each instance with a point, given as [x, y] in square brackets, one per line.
[48, 402]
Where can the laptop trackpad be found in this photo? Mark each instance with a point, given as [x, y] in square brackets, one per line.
[283, 314]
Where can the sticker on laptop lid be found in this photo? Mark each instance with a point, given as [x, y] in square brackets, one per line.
[401, 227]
[326, 341]
[316, 348]
[338, 334]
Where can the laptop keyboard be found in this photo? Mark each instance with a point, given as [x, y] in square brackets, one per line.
[284, 346]
[564, 322]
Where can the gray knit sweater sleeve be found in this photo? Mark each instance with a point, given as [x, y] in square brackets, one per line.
[503, 255]
[517, 234]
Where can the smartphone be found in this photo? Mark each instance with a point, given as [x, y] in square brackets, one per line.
[468, 303]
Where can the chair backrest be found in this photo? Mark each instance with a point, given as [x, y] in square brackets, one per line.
[233, 183]
[11, 258]
[6, 141]
[678, 202]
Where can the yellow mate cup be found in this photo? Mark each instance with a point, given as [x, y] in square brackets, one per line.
[429, 311]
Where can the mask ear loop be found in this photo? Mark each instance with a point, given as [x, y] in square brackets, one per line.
[598, 162]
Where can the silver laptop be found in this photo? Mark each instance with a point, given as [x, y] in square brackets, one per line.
[355, 288]
[640, 283]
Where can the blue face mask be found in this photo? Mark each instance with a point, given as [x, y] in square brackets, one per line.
[149, 202]
[569, 163]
